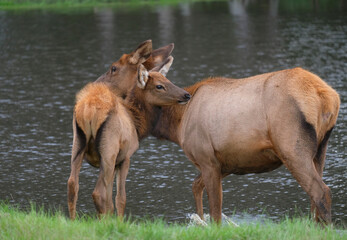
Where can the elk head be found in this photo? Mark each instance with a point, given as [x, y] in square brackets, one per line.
[122, 74]
[158, 90]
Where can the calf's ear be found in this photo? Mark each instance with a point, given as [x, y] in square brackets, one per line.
[158, 56]
[141, 53]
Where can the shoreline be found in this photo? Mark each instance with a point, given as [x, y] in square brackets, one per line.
[37, 224]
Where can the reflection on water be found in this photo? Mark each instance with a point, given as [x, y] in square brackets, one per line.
[47, 56]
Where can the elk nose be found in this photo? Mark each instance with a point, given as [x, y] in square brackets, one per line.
[187, 96]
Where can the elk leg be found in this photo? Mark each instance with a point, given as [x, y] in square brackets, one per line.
[121, 194]
[304, 171]
[78, 150]
[103, 189]
[213, 184]
[295, 143]
[319, 161]
[109, 190]
[73, 185]
[319, 168]
[198, 190]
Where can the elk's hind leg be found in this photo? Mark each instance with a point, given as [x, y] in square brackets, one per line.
[107, 145]
[296, 145]
[78, 150]
[305, 173]
[102, 194]
[319, 161]
[122, 173]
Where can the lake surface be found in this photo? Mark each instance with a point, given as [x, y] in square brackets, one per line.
[46, 56]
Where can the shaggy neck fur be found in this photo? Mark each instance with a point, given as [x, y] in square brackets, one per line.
[144, 115]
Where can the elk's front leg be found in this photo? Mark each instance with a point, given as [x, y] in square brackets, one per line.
[198, 190]
[213, 182]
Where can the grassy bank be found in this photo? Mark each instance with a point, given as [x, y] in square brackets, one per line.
[15, 224]
[37, 4]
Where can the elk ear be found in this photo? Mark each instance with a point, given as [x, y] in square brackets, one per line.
[158, 56]
[142, 77]
[142, 53]
[165, 67]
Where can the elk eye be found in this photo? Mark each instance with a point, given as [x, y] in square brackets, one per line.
[159, 87]
[113, 69]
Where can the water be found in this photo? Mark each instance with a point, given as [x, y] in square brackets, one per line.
[46, 56]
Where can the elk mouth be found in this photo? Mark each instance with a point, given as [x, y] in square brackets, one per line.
[183, 102]
[186, 98]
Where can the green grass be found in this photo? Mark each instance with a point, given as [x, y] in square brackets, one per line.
[39, 4]
[36, 224]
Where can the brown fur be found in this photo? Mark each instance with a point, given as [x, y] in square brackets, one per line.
[124, 78]
[122, 74]
[158, 56]
[97, 106]
[107, 130]
[254, 125]
[311, 91]
[93, 104]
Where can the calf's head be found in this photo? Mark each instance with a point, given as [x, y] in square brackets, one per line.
[122, 74]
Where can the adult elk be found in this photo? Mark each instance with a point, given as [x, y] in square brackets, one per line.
[254, 125]
[107, 130]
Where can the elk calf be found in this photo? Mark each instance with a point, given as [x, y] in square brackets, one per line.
[107, 130]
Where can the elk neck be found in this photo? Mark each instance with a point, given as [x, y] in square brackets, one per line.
[168, 123]
[144, 115]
